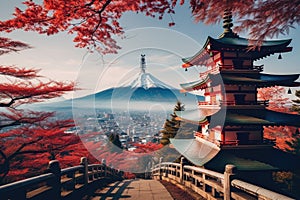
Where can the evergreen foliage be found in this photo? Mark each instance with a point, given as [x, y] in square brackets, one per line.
[172, 125]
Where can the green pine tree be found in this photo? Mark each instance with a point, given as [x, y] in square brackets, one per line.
[294, 144]
[296, 105]
[172, 125]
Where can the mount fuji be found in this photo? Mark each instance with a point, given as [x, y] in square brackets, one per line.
[143, 91]
[146, 81]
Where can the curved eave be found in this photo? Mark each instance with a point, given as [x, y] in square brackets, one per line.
[200, 58]
[197, 116]
[240, 42]
[198, 151]
[262, 80]
[263, 117]
[195, 85]
[283, 119]
[197, 121]
[215, 116]
[267, 48]
[241, 161]
[238, 119]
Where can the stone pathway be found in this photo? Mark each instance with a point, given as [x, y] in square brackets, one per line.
[136, 189]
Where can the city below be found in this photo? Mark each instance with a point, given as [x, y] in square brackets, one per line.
[136, 127]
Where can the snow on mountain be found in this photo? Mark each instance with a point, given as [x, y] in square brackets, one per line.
[146, 81]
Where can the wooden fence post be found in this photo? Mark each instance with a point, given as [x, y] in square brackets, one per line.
[230, 170]
[167, 171]
[160, 169]
[56, 185]
[111, 169]
[181, 172]
[104, 166]
[84, 163]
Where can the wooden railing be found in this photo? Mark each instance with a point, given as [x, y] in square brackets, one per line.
[265, 141]
[60, 183]
[219, 68]
[233, 103]
[213, 185]
[203, 75]
[258, 68]
[219, 143]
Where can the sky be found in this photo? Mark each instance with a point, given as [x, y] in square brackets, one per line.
[164, 46]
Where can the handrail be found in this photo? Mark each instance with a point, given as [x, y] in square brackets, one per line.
[258, 68]
[71, 169]
[25, 183]
[205, 171]
[257, 191]
[233, 103]
[214, 70]
[58, 183]
[95, 165]
[212, 185]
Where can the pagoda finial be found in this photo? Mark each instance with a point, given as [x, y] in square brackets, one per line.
[227, 24]
[143, 64]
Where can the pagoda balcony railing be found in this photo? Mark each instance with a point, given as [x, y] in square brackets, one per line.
[234, 103]
[207, 103]
[225, 67]
[219, 143]
[249, 142]
[219, 68]
[203, 103]
[211, 71]
[258, 68]
[200, 135]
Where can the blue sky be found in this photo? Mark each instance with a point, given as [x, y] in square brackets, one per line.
[164, 47]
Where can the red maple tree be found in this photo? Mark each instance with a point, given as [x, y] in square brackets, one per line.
[28, 136]
[95, 22]
[276, 98]
[279, 103]
[260, 19]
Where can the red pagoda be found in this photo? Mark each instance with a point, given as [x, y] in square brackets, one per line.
[231, 119]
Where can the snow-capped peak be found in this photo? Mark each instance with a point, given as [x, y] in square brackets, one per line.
[146, 80]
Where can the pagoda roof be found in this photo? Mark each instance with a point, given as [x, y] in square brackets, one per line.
[198, 151]
[266, 48]
[263, 117]
[195, 85]
[224, 158]
[202, 152]
[197, 115]
[261, 79]
[254, 159]
[258, 79]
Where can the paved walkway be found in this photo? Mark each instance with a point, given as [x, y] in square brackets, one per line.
[136, 189]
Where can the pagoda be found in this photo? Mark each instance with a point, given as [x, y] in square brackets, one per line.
[231, 119]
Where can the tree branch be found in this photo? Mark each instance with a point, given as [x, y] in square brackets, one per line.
[18, 151]
[100, 17]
